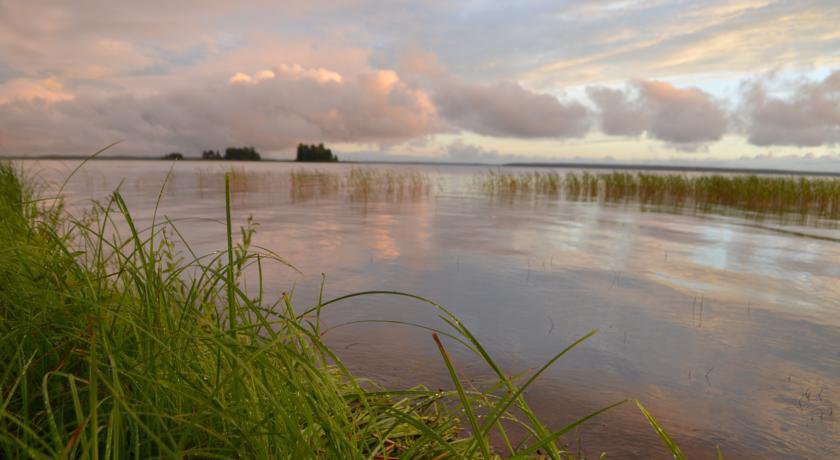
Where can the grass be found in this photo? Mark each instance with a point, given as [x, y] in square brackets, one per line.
[116, 344]
[493, 182]
[802, 196]
[361, 184]
[307, 183]
[239, 178]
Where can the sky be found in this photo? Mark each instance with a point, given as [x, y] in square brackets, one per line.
[753, 83]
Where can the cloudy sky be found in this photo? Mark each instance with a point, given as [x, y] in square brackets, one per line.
[746, 82]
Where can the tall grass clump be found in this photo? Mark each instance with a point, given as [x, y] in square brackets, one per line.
[309, 183]
[241, 179]
[392, 183]
[116, 344]
[803, 196]
[361, 184]
[497, 182]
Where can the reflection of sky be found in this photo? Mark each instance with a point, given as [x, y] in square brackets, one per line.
[714, 253]
[382, 242]
[671, 296]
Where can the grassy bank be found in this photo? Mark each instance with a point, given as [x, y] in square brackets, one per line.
[803, 196]
[119, 345]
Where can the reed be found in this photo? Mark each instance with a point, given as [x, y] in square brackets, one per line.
[240, 178]
[549, 183]
[115, 344]
[361, 184]
[803, 196]
[308, 183]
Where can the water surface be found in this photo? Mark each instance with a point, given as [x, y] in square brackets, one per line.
[727, 328]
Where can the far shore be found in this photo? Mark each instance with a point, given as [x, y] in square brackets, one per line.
[559, 165]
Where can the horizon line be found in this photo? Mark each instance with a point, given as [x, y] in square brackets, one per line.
[536, 164]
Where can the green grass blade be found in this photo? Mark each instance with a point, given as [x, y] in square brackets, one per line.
[465, 402]
[230, 295]
[669, 443]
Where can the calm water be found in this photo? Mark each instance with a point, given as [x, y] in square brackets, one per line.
[727, 329]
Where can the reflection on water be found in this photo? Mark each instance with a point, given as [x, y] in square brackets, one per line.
[727, 330]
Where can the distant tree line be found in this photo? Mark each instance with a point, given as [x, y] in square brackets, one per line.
[305, 152]
[314, 152]
[241, 154]
[231, 153]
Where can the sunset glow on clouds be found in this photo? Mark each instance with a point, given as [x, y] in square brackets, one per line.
[496, 81]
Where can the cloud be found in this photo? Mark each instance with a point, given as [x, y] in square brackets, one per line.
[508, 110]
[683, 117]
[292, 72]
[272, 110]
[620, 115]
[609, 41]
[808, 159]
[501, 109]
[178, 75]
[808, 116]
[44, 88]
[460, 151]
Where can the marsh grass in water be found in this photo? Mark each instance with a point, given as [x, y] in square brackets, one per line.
[241, 179]
[547, 183]
[361, 184]
[780, 195]
[116, 344]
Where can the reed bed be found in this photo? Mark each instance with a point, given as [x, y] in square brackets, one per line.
[804, 196]
[117, 345]
[308, 183]
[241, 179]
[549, 183]
[361, 184]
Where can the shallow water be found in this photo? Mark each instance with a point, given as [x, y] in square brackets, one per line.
[728, 329]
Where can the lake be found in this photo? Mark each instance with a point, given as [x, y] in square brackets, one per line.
[726, 327]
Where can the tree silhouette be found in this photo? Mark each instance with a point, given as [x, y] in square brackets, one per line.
[241, 154]
[314, 152]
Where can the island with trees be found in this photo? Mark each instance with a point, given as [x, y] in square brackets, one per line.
[241, 154]
[232, 154]
[314, 153]
[174, 156]
[305, 153]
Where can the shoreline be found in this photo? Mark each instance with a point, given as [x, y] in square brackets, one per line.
[544, 165]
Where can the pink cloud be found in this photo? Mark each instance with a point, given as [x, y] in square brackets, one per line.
[684, 117]
[272, 113]
[808, 116]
